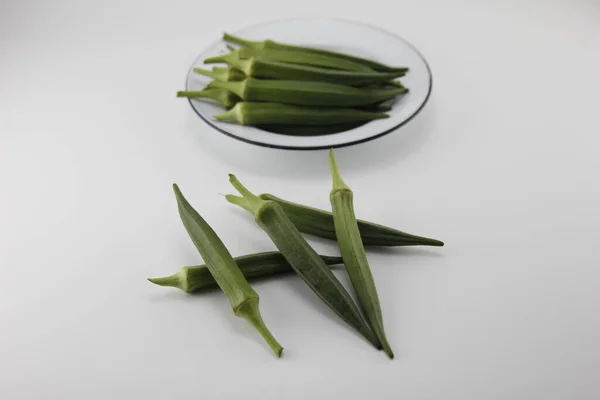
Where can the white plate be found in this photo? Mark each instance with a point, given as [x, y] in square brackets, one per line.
[349, 37]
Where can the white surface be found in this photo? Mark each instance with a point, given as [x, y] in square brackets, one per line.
[338, 35]
[502, 165]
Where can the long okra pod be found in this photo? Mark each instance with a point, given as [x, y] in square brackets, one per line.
[292, 57]
[257, 113]
[259, 67]
[303, 259]
[223, 96]
[314, 221]
[270, 44]
[353, 253]
[306, 93]
[244, 300]
[254, 266]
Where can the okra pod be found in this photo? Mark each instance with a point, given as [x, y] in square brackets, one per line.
[314, 221]
[354, 255]
[256, 113]
[222, 74]
[303, 259]
[223, 96]
[259, 67]
[254, 266]
[244, 300]
[292, 57]
[306, 93]
[270, 44]
[310, 130]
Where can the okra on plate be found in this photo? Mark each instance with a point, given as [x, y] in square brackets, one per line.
[303, 259]
[259, 67]
[244, 300]
[223, 96]
[307, 93]
[354, 255]
[314, 221]
[254, 266]
[270, 44]
[292, 57]
[256, 113]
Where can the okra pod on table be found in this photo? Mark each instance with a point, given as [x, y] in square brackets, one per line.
[256, 113]
[292, 57]
[270, 44]
[223, 96]
[354, 255]
[303, 259]
[259, 67]
[254, 266]
[244, 300]
[314, 221]
[307, 93]
[222, 74]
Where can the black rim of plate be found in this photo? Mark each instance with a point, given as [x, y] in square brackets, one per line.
[336, 146]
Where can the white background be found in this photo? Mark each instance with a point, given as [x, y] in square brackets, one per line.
[503, 165]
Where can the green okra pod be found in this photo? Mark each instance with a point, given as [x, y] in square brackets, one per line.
[292, 57]
[270, 44]
[257, 113]
[303, 259]
[254, 266]
[259, 67]
[314, 221]
[223, 96]
[354, 255]
[222, 74]
[244, 300]
[307, 93]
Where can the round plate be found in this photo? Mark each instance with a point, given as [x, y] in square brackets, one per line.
[343, 36]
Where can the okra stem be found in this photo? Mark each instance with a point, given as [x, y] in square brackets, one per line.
[222, 74]
[223, 96]
[241, 42]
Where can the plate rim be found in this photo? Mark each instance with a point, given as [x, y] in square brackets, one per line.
[317, 147]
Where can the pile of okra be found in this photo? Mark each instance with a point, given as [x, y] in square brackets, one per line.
[296, 90]
[285, 222]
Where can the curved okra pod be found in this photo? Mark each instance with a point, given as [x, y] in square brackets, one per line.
[307, 93]
[254, 266]
[223, 96]
[291, 57]
[314, 221]
[244, 300]
[270, 44]
[257, 113]
[353, 253]
[302, 258]
[222, 74]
